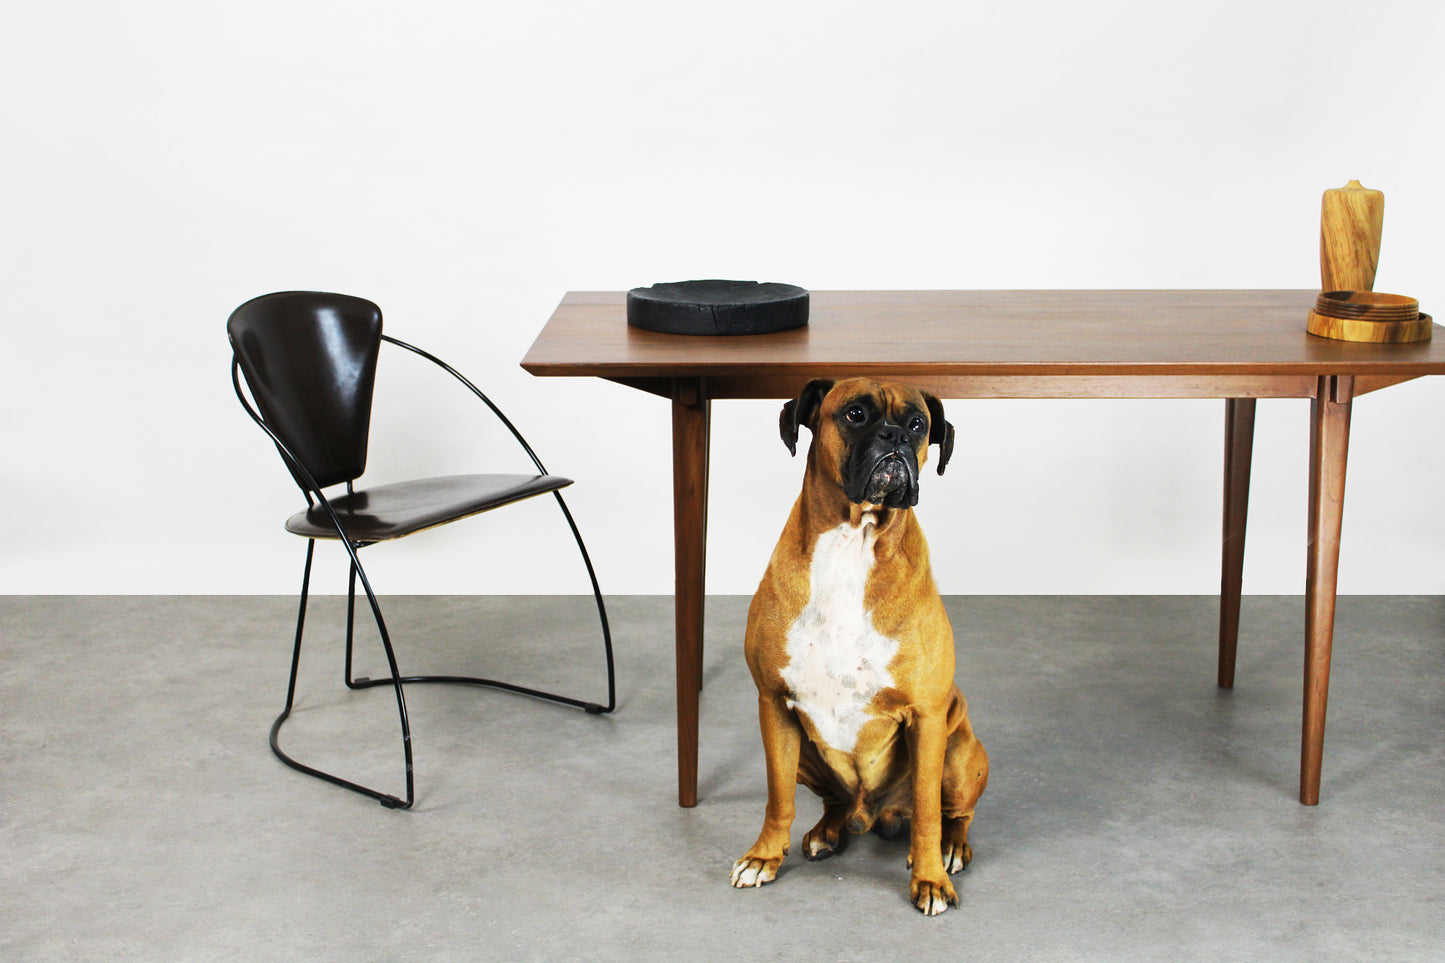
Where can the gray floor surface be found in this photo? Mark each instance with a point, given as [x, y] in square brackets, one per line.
[1135, 811]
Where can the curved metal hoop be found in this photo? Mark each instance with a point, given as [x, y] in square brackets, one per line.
[396, 680]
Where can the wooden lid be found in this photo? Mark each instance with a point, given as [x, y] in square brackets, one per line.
[1367, 305]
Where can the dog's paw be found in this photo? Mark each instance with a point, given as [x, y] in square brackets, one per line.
[956, 856]
[822, 842]
[931, 897]
[891, 824]
[751, 872]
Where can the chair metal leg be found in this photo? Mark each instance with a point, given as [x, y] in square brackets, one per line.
[300, 629]
[591, 708]
[386, 799]
[397, 680]
[601, 609]
[350, 627]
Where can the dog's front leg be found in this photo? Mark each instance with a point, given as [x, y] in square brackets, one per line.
[782, 741]
[929, 889]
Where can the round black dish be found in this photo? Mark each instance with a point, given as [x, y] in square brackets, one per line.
[717, 307]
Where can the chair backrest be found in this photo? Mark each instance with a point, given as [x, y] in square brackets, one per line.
[309, 359]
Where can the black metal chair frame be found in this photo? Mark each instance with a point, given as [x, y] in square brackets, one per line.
[314, 496]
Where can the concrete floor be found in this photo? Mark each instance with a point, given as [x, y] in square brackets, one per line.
[1135, 811]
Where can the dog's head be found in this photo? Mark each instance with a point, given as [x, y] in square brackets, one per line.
[869, 437]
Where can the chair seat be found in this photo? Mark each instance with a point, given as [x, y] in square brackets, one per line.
[393, 511]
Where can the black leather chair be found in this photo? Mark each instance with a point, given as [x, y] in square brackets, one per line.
[309, 362]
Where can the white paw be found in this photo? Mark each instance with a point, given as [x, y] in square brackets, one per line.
[933, 905]
[956, 856]
[932, 899]
[817, 848]
[753, 872]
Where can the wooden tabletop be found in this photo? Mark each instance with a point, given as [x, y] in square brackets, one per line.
[943, 336]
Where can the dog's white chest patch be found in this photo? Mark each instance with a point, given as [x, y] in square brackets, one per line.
[837, 660]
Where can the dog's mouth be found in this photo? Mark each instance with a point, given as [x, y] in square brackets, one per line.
[891, 482]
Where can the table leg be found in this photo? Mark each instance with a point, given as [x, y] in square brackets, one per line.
[1329, 445]
[1238, 454]
[691, 426]
[702, 581]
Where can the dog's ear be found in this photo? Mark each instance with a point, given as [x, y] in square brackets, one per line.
[940, 432]
[802, 410]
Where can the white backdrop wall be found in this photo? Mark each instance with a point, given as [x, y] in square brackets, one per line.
[465, 164]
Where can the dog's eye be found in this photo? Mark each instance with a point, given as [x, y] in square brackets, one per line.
[855, 415]
[917, 424]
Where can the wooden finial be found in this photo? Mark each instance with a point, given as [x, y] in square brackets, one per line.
[1351, 220]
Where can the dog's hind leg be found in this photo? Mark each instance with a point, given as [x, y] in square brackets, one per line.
[964, 778]
[957, 854]
[827, 838]
[892, 823]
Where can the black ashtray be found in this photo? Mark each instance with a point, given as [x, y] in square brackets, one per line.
[718, 307]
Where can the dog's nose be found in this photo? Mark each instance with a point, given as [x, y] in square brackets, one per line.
[891, 434]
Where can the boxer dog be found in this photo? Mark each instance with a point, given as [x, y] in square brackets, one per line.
[851, 649]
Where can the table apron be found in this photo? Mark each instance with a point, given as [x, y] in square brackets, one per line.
[765, 385]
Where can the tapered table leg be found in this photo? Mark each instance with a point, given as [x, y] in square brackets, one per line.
[691, 426]
[702, 581]
[1329, 445]
[1238, 455]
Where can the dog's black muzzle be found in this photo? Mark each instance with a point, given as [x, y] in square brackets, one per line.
[882, 469]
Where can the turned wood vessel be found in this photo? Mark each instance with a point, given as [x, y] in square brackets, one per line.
[1351, 222]
[1352, 219]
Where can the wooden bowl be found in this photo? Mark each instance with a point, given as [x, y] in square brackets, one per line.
[1418, 328]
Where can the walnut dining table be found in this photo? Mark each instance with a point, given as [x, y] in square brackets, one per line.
[1238, 346]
